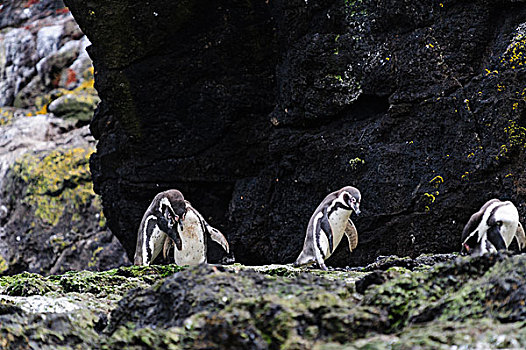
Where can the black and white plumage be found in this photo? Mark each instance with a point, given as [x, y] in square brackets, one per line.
[165, 211]
[330, 221]
[194, 234]
[493, 228]
[171, 220]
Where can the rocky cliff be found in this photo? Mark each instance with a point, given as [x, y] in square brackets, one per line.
[256, 110]
[50, 219]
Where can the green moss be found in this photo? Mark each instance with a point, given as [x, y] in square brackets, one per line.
[475, 334]
[289, 271]
[112, 283]
[25, 284]
[468, 288]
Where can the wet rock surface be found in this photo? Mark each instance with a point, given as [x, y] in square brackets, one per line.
[464, 302]
[257, 111]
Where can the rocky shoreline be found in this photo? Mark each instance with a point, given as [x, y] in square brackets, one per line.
[463, 302]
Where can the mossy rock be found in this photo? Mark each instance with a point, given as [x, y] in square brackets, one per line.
[78, 107]
[467, 301]
[467, 288]
[111, 283]
[476, 334]
[26, 284]
[289, 271]
[56, 181]
[243, 308]
[269, 307]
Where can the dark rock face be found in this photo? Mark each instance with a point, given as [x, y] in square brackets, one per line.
[256, 111]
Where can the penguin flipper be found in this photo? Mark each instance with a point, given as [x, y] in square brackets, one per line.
[327, 229]
[218, 237]
[520, 237]
[214, 233]
[352, 235]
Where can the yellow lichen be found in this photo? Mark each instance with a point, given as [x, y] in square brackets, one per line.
[84, 92]
[516, 138]
[515, 53]
[466, 101]
[488, 72]
[93, 260]
[55, 181]
[3, 264]
[437, 180]
[355, 162]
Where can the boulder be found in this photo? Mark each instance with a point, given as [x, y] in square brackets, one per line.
[51, 220]
[78, 107]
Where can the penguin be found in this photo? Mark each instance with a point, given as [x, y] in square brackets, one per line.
[330, 221]
[194, 234]
[159, 223]
[492, 228]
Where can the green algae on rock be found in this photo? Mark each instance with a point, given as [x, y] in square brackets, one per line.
[207, 307]
[66, 311]
[111, 283]
[466, 302]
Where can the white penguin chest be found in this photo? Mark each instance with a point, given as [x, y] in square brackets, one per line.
[509, 217]
[193, 250]
[338, 222]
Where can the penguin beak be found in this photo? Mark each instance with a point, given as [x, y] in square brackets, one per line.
[466, 249]
[356, 208]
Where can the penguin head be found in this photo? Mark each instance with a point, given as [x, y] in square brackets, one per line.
[352, 197]
[470, 244]
[173, 207]
[175, 214]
